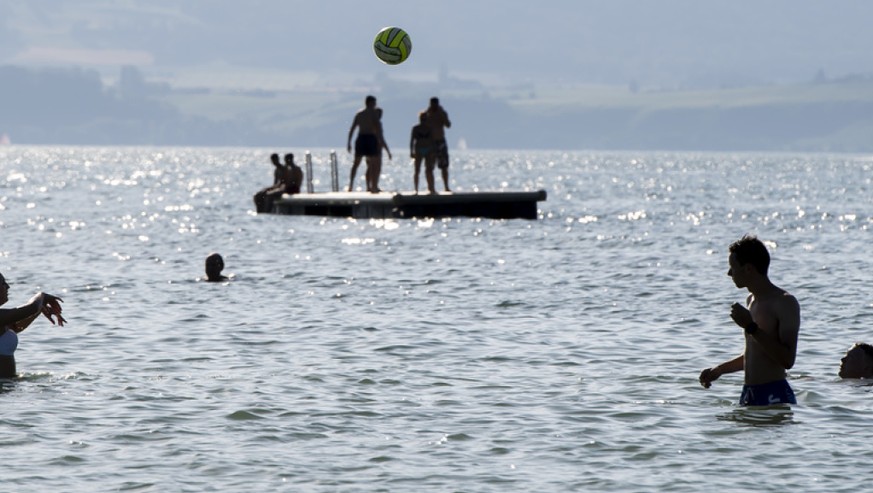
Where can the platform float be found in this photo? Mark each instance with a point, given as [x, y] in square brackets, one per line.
[364, 205]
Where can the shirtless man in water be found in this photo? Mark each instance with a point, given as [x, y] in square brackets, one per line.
[369, 141]
[771, 325]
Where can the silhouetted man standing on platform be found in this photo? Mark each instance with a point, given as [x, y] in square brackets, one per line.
[438, 120]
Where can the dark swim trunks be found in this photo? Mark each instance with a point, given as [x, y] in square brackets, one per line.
[367, 145]
[442, 153]
[767, 394]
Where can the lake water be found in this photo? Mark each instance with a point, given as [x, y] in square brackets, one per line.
[556, 355]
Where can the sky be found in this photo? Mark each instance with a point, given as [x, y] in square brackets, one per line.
[627, 74]
[656, 43]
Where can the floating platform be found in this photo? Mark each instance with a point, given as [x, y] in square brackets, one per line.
[364, 205]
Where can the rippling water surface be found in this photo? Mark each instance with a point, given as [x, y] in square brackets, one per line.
[463, 354]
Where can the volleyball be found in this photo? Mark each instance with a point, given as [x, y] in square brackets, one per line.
[392, 45]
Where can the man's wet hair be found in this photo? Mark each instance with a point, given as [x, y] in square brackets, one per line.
[750, 250]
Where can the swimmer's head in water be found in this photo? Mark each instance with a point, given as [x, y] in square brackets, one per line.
[214, 265]
[858, 362]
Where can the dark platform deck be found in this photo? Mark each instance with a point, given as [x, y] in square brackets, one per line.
[363, 205]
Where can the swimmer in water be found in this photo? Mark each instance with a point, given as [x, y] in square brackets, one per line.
[771, 325]
[15, 320]
[214, 266]
[858, 361]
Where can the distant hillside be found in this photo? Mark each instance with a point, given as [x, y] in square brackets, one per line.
[75, 106]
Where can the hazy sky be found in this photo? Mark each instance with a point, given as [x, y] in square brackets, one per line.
[670, 42]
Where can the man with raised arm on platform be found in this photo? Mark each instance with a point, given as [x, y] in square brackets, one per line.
[438, 120]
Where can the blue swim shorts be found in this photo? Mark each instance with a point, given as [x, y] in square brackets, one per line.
[767, 394]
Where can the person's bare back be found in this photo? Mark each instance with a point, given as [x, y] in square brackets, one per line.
[366, 121]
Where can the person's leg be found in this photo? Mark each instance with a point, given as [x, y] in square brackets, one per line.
[268, 201]
[7, 367]
[259, 200]
[428, 172]
[443, 163]
[445, 172]
[417, 163]
[368, 173]
[355, 165]
[375, 172]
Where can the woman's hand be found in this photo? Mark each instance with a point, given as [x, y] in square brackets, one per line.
[51, 306]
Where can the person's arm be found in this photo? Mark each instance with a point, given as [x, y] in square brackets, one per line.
[412, 143]
[24, 323]
[781, 347]
[23, 315]
[281, 179]
[351, 131]
[385, 145]
[710, 375]
[382, 142]
[448, 123]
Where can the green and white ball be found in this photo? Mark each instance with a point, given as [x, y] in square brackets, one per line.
[392, 45]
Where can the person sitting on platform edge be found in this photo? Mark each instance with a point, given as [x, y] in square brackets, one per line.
[858, 361]
[771, 325]
[214, 266]
[278, 179]
[15, 320]
[293, 175]
[292, 178]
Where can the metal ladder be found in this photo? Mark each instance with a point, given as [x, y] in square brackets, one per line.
[334, 172]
